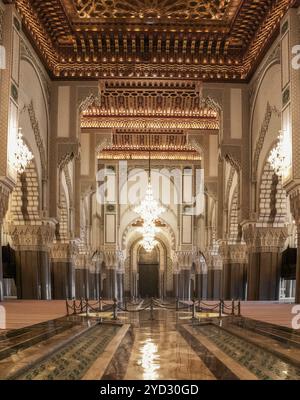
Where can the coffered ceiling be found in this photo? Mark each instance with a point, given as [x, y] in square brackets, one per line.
[211, 40]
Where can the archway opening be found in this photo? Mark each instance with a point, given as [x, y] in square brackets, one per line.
[148, 267]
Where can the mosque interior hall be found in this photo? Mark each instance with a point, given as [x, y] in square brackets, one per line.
[149, 190]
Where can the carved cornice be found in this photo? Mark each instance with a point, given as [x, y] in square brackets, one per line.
[32, 237]
[264, 239]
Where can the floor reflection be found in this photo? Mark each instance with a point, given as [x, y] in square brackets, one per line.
[149, 360]
[160, 352]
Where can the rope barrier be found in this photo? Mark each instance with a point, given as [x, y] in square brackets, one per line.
[85, 306]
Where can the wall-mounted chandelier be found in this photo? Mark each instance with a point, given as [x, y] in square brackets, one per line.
[149, 210]
[22, 155]
[280, 156]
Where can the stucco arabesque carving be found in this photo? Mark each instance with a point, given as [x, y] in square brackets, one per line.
[32, 237]
[38, 138]
[264, 239]
[270, 110]
[233, 253]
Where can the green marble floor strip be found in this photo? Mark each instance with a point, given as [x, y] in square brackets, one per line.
[73, 360]
[262, 363]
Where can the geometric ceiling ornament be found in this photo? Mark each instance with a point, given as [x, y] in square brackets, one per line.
[155, 104]
[211, 40]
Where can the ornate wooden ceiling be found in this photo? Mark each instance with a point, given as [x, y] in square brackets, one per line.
[149, 105]
[199, 39]
[171, 145]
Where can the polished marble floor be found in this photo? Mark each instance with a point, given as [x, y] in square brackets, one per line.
[163, 345]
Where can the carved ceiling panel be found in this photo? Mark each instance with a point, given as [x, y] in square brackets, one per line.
[152, 9]
[150, 104]
[212, 40]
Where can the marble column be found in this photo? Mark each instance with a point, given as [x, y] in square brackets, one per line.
[214, 277]
[111, 283]
[295, 209]
[4, 196]
[214, 283]
[63, 274]
[32, 245]
[81, 276]
[265, 245]
[120, 285]
[134, 284]
[185, 284]
[201, 285]
[235, 259]
[176, 284]
[185, 260]
[113, 259]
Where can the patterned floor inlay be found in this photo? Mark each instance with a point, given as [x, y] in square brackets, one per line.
[74, 359]
[19, 339]
[261, 363]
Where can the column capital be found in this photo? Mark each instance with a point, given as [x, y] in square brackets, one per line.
[38, 237]
[233, 253]
[264, 239]
[62, 252]
[112, 257]
[185, 258]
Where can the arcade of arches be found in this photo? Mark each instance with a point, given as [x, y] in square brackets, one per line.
[92, 108]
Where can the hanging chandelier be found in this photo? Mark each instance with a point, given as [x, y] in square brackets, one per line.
[279, 157]
[148, 231]
[149, 210]
[22, 155]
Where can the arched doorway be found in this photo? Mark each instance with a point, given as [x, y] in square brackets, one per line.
[148, 267]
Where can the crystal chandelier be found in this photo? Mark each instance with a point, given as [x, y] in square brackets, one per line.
[22, 155]
[149, 210]
[279, 157]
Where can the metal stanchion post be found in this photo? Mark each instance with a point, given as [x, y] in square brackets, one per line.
[177, 304]
[115, 316]
[220, 309]
[232, 307]
[74, 306]
[239, 308]
[194, 309]
[100, 304]
[151, 309]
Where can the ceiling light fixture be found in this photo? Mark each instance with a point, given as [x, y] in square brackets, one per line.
[22, 155]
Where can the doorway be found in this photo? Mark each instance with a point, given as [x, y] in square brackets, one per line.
[148, 280]
[148, 273]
